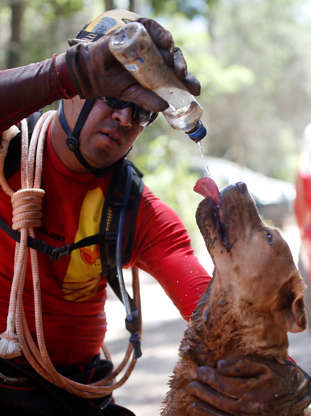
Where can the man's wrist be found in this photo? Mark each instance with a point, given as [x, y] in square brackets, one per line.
[63, 78]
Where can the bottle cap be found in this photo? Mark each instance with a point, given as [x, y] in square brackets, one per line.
[198, 133]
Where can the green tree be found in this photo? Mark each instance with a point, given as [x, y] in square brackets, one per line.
[260, 125]
[186, 8]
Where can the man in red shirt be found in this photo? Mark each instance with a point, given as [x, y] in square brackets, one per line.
[103, 113]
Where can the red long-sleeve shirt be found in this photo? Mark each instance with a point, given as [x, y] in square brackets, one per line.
[73, 290]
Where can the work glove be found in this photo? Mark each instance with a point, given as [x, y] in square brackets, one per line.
[95, 71]
[250, 386]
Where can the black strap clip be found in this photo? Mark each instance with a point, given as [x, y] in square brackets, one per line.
[59, 252]
[135, 340]
[72, 143]
[132, 325]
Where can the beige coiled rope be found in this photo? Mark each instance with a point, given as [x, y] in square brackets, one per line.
[27, 214]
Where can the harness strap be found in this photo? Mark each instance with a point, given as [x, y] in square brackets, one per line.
[112, 258]
[132, 321]
[111, 214]
[54, 253]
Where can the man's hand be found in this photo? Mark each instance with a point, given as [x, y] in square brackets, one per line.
[95, 71]
[250, 386]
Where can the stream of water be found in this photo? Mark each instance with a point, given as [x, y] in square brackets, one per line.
[206, 169]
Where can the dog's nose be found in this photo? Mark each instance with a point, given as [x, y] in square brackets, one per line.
[241, 187]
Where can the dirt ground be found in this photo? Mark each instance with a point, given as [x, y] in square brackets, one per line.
[162, 331]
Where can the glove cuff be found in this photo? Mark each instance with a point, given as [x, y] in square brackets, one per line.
[76, 69]
[63, 78]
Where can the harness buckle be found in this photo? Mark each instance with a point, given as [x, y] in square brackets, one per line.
[59, 252]
[72, 143]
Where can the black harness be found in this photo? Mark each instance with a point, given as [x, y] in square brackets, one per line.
[119, 214]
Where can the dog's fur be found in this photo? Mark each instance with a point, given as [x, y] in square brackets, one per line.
[255, 297]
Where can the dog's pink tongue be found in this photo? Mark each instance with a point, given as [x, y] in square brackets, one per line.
[207, 187]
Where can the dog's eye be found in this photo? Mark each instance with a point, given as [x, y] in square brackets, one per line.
[269, 237]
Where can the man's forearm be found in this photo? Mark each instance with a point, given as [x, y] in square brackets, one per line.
[26, 89]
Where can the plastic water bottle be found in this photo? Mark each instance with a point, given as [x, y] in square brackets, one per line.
[134, 49]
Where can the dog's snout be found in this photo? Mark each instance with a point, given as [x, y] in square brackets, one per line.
[241, 187]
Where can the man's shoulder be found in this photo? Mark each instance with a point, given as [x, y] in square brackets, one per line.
[12, 160]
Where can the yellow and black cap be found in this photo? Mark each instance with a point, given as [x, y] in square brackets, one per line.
[104, 24]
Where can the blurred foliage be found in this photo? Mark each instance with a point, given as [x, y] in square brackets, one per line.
[54, 9]
[167, 174]
[162, 153]
[252, 58]
[270, 39]
[185, 8]
[215, 77]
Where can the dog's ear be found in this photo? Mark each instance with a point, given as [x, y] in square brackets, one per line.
[291, 311]
[295, 316]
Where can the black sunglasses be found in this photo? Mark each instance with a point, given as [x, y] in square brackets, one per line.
[139, 115]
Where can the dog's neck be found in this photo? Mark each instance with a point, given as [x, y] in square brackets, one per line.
[222, 330]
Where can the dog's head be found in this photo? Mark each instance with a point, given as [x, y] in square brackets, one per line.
[253, 263]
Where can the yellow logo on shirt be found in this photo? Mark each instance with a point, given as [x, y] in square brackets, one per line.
[84, 270]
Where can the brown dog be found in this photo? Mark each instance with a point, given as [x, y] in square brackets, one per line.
[255, 297]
